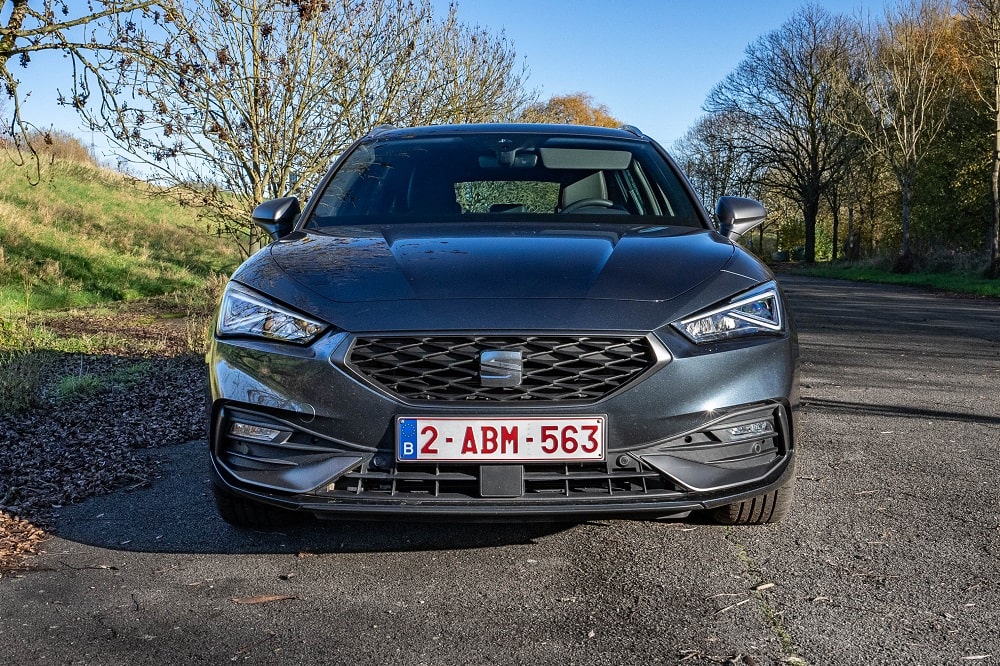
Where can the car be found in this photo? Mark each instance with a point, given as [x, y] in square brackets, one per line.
[503, 322]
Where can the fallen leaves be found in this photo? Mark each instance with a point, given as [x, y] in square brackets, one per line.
[19, 539]
[75, 447]
[263, 599]
[732, 606]
[762, 587]
[729, 660]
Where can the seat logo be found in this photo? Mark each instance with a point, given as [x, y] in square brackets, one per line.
[500, 368]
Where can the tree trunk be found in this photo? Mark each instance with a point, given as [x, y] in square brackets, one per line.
[810, 211]
[835, 206]
[8, 43]
[850, 245]
[255, 240]
[904, 263]
[993, 270]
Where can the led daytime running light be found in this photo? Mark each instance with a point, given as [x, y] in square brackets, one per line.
[253, 431]
[755, 429]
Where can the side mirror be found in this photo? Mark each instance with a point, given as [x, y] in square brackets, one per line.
[277, 216]
[737, 215]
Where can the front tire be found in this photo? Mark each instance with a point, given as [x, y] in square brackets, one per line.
[771, 507]
[247, 514]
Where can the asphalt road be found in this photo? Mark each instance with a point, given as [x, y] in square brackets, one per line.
[890, 555]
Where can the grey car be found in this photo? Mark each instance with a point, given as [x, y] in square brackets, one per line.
[503, 322]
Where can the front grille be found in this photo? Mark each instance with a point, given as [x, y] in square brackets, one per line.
[541, 482]
[585, 368]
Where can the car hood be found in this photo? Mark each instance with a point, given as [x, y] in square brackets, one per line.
[431, 262]
[435, 277]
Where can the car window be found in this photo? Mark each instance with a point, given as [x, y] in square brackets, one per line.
[499, 176]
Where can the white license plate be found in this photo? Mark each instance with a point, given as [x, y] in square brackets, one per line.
[506, 439]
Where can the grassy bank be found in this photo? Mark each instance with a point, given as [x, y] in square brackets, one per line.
[959, 283]
[106, 293]
[85, 235]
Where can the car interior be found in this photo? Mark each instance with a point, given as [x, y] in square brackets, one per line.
[448, 179]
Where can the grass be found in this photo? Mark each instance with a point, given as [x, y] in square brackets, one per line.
[18, 336]
[85, 235]
[93, 263]
[85, 384]
[106, 293]
[22, 377]
[49, 362]
[958, 283]
[72, 387]
[34, 349]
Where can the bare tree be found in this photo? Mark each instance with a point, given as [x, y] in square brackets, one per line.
[851, 195]
[576, 109]
[252, 99]
[89, 33]
[906, 85]
[785, 94]
[711, 155]
[982, 41]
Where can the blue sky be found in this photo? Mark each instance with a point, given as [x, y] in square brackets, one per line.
[651, 62]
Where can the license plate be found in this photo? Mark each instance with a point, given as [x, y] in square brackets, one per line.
[513, 439]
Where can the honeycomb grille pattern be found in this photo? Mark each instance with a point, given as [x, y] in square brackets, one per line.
[583, 368]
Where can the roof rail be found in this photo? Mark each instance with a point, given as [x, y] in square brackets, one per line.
[632, 129]
[379, 129]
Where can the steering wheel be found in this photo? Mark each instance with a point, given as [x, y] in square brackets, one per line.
[586, 203]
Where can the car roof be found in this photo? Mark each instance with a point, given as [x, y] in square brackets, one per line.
[624, 132]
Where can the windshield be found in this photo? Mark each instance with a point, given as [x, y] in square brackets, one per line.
[496, 176]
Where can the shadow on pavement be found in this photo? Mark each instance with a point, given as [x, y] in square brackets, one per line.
[869, 409]
[176, 514]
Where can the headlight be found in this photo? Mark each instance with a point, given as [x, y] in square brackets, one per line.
[754, 313]
[245, 312]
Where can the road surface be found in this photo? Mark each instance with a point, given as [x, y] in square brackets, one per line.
[889, 557]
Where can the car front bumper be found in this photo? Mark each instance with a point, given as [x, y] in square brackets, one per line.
[670, 444]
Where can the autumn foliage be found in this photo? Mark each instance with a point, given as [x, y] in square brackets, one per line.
[573, 109]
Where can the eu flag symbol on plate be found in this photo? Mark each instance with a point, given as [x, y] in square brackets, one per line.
[407, 439]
